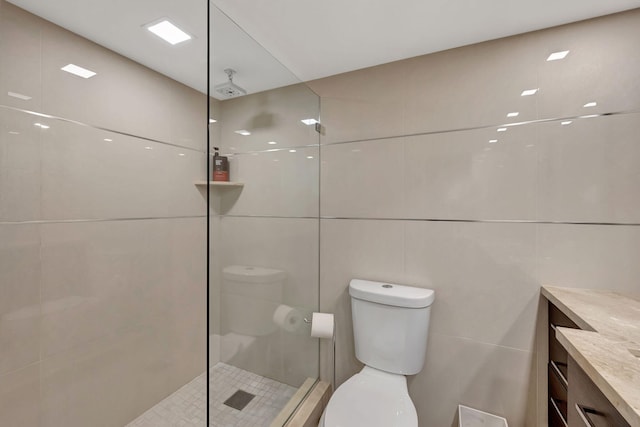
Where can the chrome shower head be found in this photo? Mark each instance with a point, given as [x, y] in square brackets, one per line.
[230, 89]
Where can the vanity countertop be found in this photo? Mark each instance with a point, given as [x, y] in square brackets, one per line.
[608, 346]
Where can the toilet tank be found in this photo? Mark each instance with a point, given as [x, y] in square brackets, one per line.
[250, 296]
[390, 325]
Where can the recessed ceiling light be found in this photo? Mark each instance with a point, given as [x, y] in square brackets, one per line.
[502, 129]
[558, 55]
[272, 143]
[108, 139]
[147, 148]
[309, 157]
[212, 120]
[181, 154]
[243, 132]
[19, 96]
[78, 71]
[590, 104]
[568, 122]
[514, 114]
[309, 122]
[292, 151]
[13, 132]
[493, 141]
[41, 126]
[529, 92]
[169, 32]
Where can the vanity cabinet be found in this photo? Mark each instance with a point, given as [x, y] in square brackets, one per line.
[574, 400]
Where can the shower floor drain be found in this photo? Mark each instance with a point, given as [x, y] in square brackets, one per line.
[239, 400]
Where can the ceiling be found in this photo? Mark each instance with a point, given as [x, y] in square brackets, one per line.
[313, 39]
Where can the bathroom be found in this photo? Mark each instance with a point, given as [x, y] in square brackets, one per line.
[429, 168]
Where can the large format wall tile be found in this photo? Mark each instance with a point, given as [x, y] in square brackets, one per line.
[460, 371]
[123, 95]
[590, 256]
[125, 369]
[20, 73]
[188, 117]
[363, 104]
[498, 380]
[103, 277]
[363, 179]
[472, 86]
[280, 183]
[273, 116]
[20, 160]
[20, 296]
[479, 174]
[117, 97]
[88, 173]
[20, 398]
[484, 276]
[602, 67]
[123, 317]
[588, 170]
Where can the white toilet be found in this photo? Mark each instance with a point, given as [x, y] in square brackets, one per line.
[390, 327]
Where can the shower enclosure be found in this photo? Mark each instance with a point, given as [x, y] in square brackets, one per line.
[107, 217]
[264, 232]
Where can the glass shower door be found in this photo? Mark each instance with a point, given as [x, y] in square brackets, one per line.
[264, 232]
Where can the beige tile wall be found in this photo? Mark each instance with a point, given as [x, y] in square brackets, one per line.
[387, 189]
[99, 320]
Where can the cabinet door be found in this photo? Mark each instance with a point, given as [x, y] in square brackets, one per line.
[588, 407]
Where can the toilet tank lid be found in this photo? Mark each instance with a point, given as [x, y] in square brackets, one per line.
[391, 294]
[247, 273]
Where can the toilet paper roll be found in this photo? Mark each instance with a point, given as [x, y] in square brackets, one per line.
[287, 318]
[322, 325]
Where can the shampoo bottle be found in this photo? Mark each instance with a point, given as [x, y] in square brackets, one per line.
[220, 166]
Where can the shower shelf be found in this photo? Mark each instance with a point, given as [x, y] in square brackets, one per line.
[220, 184]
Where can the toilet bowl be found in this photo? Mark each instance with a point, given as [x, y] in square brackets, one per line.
[390, 328]
[371, 398]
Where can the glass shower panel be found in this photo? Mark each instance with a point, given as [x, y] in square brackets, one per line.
[265, 233]
[102, 247]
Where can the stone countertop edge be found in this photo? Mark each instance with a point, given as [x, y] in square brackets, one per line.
[610, 365]
[610, 325]
[609, 313]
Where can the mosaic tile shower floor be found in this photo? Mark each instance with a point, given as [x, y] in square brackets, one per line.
[186, 407]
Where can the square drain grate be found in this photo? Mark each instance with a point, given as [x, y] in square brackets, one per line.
[239, 400]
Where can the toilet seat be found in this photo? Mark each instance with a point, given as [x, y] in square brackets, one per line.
[371, 398]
